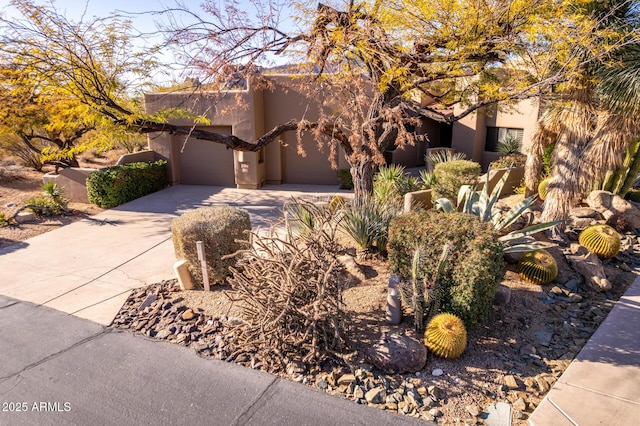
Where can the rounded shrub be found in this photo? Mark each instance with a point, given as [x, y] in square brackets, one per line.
[451, 175]
[219, 228]
[601, 240]
[473, 270]
[446, 336]
[538, 267]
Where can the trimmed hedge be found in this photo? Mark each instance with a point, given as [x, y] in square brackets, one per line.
[451, 175]
[474, 269]
[221, 229]
[117, 185]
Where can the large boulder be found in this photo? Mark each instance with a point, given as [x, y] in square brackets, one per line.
[395, 353]
[608, 204]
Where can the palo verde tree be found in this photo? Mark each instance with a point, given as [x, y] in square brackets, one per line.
[374, 67]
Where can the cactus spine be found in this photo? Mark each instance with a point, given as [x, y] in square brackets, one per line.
[538, 267]
[446, 336]
[601, 240]
[424, 295]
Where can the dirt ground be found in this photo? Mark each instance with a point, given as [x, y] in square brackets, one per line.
[19, 184]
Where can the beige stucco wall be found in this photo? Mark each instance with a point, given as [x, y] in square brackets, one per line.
[469, 133]
[223, 113]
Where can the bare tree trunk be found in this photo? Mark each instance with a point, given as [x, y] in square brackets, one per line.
[362, 171]
[533, 167]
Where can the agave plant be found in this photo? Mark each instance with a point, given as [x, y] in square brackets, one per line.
[367, 222]
[482, 205]
[445, 155]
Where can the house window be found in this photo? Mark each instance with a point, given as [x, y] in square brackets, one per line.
[496, 134]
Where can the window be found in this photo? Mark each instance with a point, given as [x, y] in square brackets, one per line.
[496, 134]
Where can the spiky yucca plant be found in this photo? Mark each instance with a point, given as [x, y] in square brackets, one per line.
[538, 267]
[446, 336]
[601, 240]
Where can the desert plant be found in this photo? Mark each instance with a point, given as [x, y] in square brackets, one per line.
[427, 178]
[53, 192]
[633, 195]
[367, 222]
[345, 180]
[4, 220]
[423, 295]
[482, 205]
[52, 202]
[290, 294]
[452, 175]
[337, 203]
[222, 230]
[511, 160]
[391, 183]
[446, 336]
[509, 145]
[538, 267]
[475, 267]
[601, 240]
[112, 186]
[542, 188]
[621, 180]
[444, 156]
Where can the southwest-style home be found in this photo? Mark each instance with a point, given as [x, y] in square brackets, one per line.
[199, 162]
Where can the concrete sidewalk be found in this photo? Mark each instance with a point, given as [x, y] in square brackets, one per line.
[88, 268]
[62, 370]
[602, 384]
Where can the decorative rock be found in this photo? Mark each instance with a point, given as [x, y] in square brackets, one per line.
[510, 381]
[358, 393]
[435, 412]
[375, 395]
[295, 367]
[498, 414]
[187, 315]
[434, 391]
[473, 410]
[437, 372]
[352, 268]
[609, 204]
[395, 353]
[163, 334]
[322, 384]
[346, 379]
[584, 212]
[503, 295]
[590, 267]
[25, 217]
[151, 297]
[520, 405]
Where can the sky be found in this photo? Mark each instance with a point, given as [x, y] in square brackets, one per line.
[133, 9]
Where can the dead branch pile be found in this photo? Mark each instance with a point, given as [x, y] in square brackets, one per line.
[290, 289]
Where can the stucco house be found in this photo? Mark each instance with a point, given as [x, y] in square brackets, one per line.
[199, 162]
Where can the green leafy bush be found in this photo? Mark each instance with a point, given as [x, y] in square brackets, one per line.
[391, 183]
[345, 180]
[117, 185]
[4, 220]
[219, 228]
[475, 266]
[451, 175]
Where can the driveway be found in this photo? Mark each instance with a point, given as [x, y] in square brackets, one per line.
[88, 268]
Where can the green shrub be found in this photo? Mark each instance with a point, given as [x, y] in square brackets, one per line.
[117, 185]
[474, 269]
[451, 175]
[4, 220]
[219, 228]
[52, 202]
[345, 180]
[391, 183]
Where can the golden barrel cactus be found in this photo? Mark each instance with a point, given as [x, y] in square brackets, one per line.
[446, 336]
[538, 267]
[542, 188]
[601, 240]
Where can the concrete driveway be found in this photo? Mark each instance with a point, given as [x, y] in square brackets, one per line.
[88, 268]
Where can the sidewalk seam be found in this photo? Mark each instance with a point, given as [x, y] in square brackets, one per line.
[247, 414]
[55, 355]
[619, 398]
[105, 273]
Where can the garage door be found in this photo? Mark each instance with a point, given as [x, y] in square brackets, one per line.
[207, 163]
